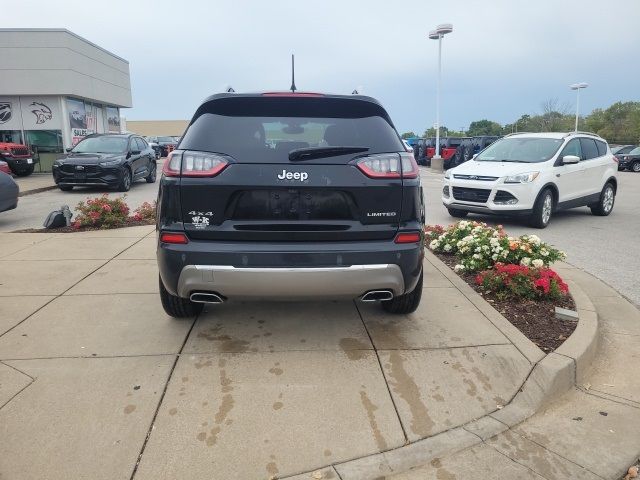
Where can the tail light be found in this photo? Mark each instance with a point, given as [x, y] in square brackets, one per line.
[175, 238]
[194, 164]
[389, 165]
[408, 237]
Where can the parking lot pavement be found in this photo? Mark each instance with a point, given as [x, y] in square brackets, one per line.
[33, 209]
[90, 365]
[34, 183]
[603, 246]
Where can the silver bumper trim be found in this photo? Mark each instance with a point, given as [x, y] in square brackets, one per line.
[290, 283]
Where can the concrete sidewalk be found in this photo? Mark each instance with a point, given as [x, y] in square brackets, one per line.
[91, 365]
[590, 433]
[97, 382]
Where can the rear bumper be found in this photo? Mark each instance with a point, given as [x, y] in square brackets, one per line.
[290, 283]
[292, 270]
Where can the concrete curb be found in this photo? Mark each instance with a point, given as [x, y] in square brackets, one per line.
[551, 376]
[37, 190]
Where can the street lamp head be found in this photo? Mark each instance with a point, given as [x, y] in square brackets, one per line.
[444, 28]
[578, 86]
[433, 35]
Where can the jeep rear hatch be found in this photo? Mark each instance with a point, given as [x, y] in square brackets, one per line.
[271, 168]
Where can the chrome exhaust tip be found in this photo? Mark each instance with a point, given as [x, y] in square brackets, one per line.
[377, 295]
[206, 297]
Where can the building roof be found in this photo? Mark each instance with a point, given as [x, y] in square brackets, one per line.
[64, 30]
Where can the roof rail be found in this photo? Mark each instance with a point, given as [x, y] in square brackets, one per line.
[510, 134]
[582, 133]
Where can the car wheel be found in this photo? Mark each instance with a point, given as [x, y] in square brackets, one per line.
[635, 166]
[406, 303]
[151, 178]
[606, 201]
[65, 188]
[454, 212]
[125, 182]
[178, 307]
[24, 172]
[542, 210]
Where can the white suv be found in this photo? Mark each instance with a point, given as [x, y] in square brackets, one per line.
[534, 174]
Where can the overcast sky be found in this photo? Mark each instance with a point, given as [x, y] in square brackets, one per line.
[503, 58]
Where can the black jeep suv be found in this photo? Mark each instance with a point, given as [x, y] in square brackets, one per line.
[290, 196]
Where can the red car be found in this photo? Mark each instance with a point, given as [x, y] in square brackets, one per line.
[4, 167]
[19, 158]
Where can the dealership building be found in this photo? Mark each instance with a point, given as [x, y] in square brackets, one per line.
[55, 88]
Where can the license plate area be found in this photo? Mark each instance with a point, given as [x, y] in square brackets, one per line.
[290, 204]
[80, 175]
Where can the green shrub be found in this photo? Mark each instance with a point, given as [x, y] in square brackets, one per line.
[101, 212]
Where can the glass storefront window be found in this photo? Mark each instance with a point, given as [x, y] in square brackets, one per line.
[45, 141]
[10, 136]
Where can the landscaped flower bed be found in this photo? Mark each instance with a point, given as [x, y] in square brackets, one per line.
[103, 212]
[512, 274]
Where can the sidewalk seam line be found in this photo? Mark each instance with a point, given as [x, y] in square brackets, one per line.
[161, 399]
[555, 453]
[65, 291]
[384, 377]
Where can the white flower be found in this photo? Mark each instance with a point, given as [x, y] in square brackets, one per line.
[534, 239]
[544, 252]
[463, 224]
[434, 244]
[458, 268]
[537, 263]
[526, 261]
[494, 257]
[478, 249]
[477, 256]
[447, 247]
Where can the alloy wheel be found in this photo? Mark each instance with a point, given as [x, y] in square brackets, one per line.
[546, 208]
[607, 199]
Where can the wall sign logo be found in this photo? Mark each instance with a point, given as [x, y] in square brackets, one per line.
[5, 112]
[42, 112]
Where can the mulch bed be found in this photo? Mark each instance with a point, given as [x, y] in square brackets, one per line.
[129, 223]
[535, 319]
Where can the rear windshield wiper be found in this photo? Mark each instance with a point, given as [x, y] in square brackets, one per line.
[300, 154]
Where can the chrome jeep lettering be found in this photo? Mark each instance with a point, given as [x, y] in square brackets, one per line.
[301, 176]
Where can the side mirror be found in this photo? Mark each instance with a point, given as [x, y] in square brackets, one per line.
[570, 159]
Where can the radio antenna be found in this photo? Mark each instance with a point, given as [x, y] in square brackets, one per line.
[293, 74]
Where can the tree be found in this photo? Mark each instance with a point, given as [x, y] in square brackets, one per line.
[484, 127]
[406, 135]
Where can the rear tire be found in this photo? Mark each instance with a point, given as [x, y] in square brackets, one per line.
[635, 167]
[605, 204]
[407, 303]
[65, 188]
[542, 210]
[454, 212]
[151, 178]
[178, 307]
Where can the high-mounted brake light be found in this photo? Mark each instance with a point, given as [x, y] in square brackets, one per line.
[174, 238]
[408, 237]
[292, 94]
[389, 165]
[194, 164]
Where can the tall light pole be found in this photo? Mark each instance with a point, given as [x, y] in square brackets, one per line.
[577, 87]
[437, 34]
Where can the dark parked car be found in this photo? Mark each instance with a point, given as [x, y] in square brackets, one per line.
[8, 192]
[629, 160]
[107, 160]
[622, 149]
[166, 144]
[290, 196]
